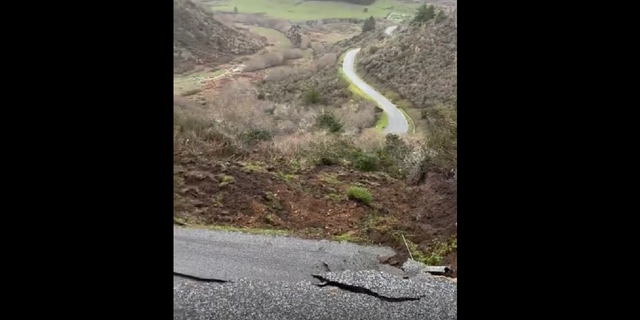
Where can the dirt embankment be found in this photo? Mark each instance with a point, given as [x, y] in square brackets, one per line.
[314, 204]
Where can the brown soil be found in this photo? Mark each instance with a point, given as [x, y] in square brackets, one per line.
[313, 204]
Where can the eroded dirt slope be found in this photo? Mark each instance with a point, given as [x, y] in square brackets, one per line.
[314, 204]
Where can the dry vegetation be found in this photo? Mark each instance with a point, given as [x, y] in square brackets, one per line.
[272, 59]
[200, 39]
[297, 151]
[419, 63]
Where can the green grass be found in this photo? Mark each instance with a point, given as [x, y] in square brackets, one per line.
[329, 178]
[184, 84]
[233, 229]
[359, 193]
[272, 35]
[346, 237]
[383, 121]
[312, 10]
[412, 126]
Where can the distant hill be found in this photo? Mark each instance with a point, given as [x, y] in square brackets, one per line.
[200, 39]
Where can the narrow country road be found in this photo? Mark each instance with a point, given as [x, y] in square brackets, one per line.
[227, 256]
[397, 122]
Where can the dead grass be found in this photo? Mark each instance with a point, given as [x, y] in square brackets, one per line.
[272, 59]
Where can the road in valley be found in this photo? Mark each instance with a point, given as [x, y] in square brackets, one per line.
[397, 122]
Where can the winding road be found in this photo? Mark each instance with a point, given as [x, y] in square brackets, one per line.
[397, 122]
[237, 276]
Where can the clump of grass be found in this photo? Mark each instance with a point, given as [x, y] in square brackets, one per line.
[250, 167]
[435, 254]
[312, 96]
[334, 197]
[217, 200]
[329, 121]
[225, 180]
[360, 194]
[269, 219]
[329, 178]
[345, 237]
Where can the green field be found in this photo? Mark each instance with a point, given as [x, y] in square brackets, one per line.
[297, 10]
[191, 82]
[272, 36]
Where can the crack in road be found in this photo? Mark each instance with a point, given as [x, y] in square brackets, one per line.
[357, 289]
[199, 279]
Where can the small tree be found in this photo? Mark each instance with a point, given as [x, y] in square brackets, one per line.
[235, 10]
[369, 24]
[424, 14]
[365, 10]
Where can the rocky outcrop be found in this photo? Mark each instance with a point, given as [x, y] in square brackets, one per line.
[418, 62]
[200, 39]
[295, 35]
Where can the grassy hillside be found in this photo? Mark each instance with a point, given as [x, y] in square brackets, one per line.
[297, 10]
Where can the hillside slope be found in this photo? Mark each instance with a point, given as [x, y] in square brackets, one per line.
[200, 39]
[420, 62]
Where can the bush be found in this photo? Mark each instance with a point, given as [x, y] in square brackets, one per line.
[329, 121]
[365, 10]
[369, 24]
[424, 14]
[359, 193]
[373, 49]
[256, 135]
[365, 162]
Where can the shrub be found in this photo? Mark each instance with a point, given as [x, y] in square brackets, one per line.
[329, 121]
[365, 10]
[369, 24]
[365, 161]
[373, 49]
[359, 193]
[424, 14]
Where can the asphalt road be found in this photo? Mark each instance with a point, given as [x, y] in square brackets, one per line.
[245, 276]
[397, 122]
[230, 256]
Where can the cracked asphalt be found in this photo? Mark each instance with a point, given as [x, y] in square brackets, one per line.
[284, 278]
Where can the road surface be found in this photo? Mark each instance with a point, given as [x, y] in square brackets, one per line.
[397, 122]
[237, 276]
[228, 256]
